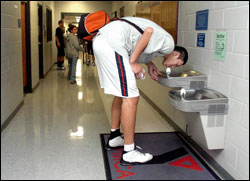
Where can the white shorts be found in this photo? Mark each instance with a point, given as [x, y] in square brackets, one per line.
[115, 73]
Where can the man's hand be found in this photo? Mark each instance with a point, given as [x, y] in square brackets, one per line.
[152, 69]
[137, 69]
[58, 44]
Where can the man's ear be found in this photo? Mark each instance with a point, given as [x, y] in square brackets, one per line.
[176, 54]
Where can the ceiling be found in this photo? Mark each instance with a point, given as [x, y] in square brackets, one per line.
[70, 17]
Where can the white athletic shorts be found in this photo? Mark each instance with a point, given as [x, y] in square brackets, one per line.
[115, 73]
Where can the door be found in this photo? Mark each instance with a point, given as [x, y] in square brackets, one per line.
[26, 47]
[164, 13]
[23, 17]
[40, 40]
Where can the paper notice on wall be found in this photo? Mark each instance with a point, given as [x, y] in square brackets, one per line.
[220, 45]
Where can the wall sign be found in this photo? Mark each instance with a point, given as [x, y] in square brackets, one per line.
[19, 23]
[200, 40]
[220, 45]
[201, 20]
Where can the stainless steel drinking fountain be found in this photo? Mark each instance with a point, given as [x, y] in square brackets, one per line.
[205, 108]
[202, 101]
[186, 79]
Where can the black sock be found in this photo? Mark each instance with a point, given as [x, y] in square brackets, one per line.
[114, 134]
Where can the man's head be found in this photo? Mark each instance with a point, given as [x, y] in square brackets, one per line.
[177, 58]
[61, 23]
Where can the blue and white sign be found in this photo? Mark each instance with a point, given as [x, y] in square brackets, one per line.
[200, 40]
[201, 20]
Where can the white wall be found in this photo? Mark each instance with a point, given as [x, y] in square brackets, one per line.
[11, 58]
[49, 55]
[49, 48]
[129, 7]
[11, 53]
[34, 43]
[230, 77]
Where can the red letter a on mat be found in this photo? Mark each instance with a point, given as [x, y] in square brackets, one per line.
[124, 174]
[189, 158]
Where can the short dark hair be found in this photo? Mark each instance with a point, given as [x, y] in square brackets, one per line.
[60, 21]
[183, 53]
[71, 28]
[69, 25]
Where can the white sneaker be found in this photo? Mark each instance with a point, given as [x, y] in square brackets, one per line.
[118, 141]
[115, 143]
[135, 157]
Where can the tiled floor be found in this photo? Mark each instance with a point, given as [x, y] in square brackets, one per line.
[55, 135]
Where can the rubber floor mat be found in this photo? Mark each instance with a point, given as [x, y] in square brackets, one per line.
[173, 160]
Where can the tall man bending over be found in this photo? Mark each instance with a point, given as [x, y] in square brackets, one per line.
[119, 48]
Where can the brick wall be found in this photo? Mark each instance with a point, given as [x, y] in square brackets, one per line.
[230, 77]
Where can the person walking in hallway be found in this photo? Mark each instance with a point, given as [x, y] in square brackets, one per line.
[60, 45]
[90, 54]
[119, 48]
[66, 36]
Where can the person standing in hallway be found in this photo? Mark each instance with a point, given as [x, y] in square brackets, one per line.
[119, 48]
[66, 36]
[60, 45]
[72, 52]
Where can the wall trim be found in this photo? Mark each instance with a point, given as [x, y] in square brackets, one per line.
[5, 124]
[49, 69]
[33, 89]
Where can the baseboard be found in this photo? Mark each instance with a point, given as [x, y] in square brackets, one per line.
[5, 124]
[49, 69]
[33, 89]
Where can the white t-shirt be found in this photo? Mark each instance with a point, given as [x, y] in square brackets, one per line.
[123, 38]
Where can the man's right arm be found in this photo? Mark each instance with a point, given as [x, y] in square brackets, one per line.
[139, 48]
[141, 44]
[57, 42]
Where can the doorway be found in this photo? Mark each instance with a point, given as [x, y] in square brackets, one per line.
[26, 49]
[40, 40]
[23, 44]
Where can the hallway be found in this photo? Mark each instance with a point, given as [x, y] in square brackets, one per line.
[56, 133]
[53, 131]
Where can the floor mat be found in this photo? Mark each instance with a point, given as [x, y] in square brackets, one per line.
[173, 160]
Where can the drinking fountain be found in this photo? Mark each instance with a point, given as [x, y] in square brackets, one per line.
[205, 109]
[187, 79]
